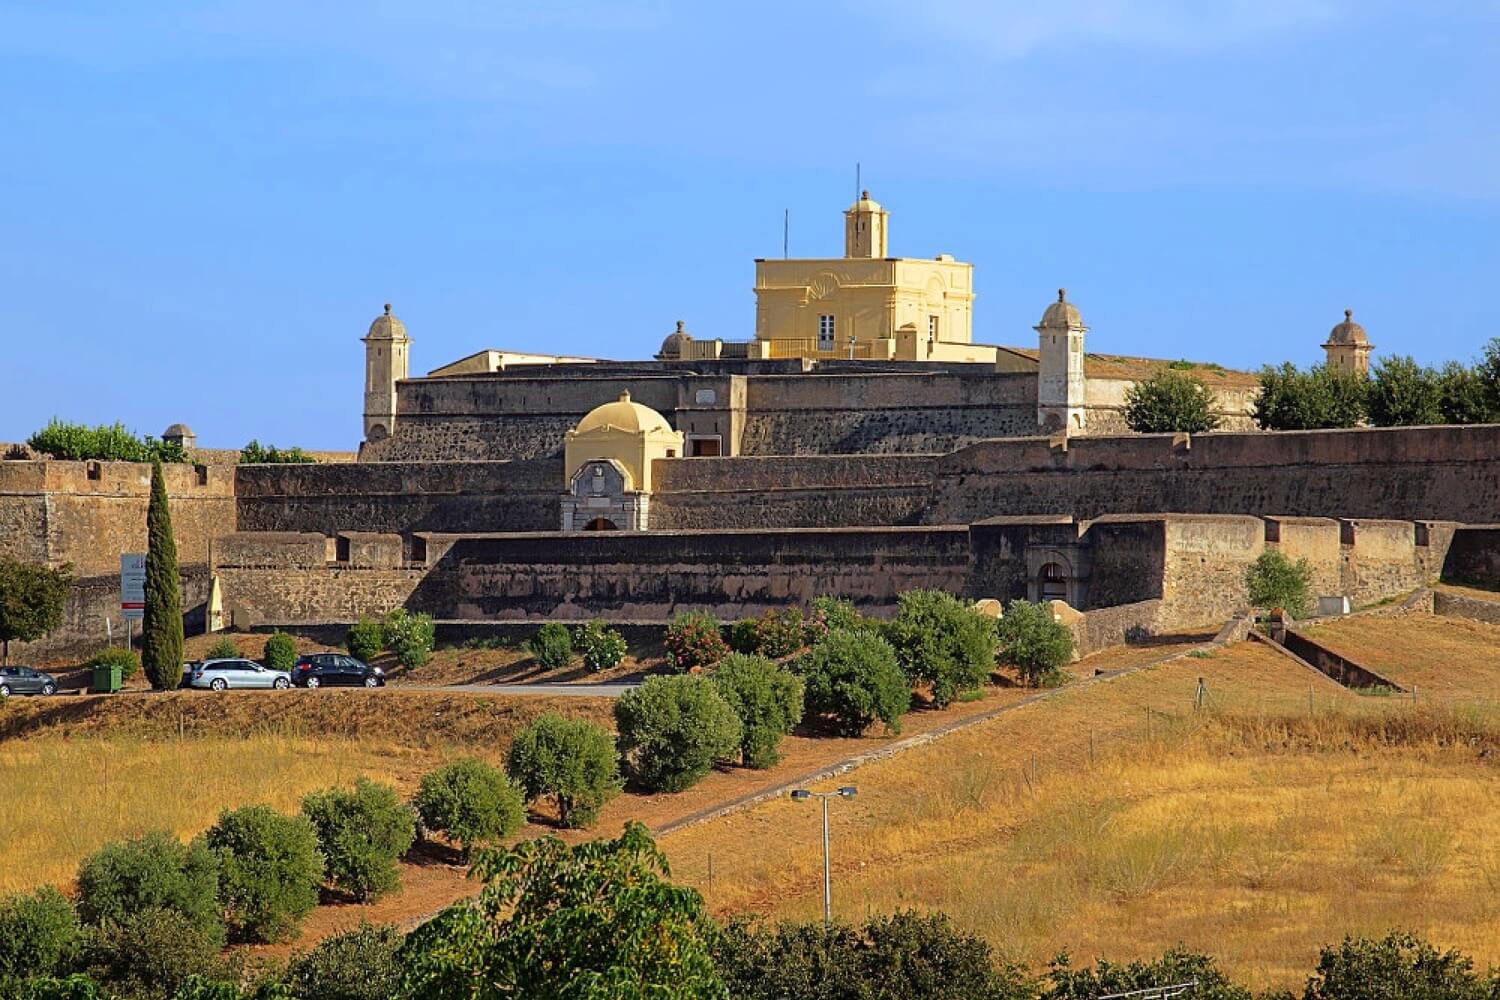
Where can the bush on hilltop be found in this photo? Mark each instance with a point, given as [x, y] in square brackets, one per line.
[281, 652]
[1274, 581]
[117, 656]
[572, 760]
[472, 802]
[674, 729]
[552, 646]
[766, 698]
[694, 641]
[603, 647]
[1038, 646]
[409, 636]
[269, 871]
[362, 832]
[943, 641]
[365, 639]
[41, 934]
[853, 679]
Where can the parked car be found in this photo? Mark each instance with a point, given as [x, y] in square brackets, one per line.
[25, 680]
[218, 675]
[319, 669]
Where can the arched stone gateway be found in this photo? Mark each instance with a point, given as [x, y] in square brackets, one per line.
[601, 524]
[609, 458]
[1053, 583]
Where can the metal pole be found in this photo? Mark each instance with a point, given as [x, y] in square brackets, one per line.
[827, 878]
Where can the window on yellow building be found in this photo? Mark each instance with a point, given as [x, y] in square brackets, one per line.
[932, 328]
[825, 333]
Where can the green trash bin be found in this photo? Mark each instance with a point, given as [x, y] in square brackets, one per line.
[107, 679]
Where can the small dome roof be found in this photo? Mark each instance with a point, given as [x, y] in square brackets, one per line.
[623, 415]
[387, 326]
[178, 431]
[1348, 332]
[672, 346]
[1061, 313]
[866, 204]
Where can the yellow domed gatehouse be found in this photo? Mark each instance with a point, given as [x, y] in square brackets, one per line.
[607, 466]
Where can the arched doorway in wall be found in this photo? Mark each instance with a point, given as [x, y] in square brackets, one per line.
[601, 524]
[1052, 582]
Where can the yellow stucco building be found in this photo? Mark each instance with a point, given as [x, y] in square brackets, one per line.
[866, 304]
[607, 466]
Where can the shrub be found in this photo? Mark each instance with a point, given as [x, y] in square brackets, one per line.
[572, 760]
[1030, 639]
[552, 646]
[1274, 581]
[155, 871]
[409, 636]
[830, 614]
[361, 832]
[1398, 965]
[941, 640]
[75, 987]
[674, 729]
[602, 646]
[154, 951]
[899, 957]
[117, 656]
[358, 964]
[470, 801]
[223, 649]
[256, 453]
[595, 920]
[774, 634]
[269, 871]
[693, 642]
[1174, 966]
[1168, 401]
[40, 932]
[281, 652]
[853, 679]
[365, 639]
[105, 443]
[767, 700]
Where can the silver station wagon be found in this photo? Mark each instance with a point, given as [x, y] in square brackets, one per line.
[220, 675]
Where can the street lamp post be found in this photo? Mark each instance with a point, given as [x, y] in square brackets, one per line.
[802, 795]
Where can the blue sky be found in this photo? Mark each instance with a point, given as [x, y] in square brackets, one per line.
[204, 204]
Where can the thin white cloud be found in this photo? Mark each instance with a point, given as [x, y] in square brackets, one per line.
[1013, 28]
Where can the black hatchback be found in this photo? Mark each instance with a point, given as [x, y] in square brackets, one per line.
[24, 680]
[330, 669]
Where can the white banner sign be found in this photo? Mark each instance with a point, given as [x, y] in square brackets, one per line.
[133, 586]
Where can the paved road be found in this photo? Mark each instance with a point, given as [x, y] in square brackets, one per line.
[550, 690]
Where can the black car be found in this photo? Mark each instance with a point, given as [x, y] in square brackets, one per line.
[24, 680]
[327, 669]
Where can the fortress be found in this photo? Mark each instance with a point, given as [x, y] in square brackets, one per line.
[861, 444]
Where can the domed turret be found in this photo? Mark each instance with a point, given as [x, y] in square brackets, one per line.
[675, 346]
[386, 359]
[623, 415]
[1348, 348]
[865, 228]
[387, 327]
[1061, 315]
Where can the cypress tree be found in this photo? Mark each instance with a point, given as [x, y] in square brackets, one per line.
[161, 632]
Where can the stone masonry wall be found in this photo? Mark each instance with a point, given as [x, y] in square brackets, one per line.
[1418, 473]
[400, 497]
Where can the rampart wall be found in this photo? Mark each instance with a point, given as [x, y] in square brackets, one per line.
[88, 513]
[400, 497]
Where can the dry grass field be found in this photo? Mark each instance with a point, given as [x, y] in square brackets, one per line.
[1253, 828]
[1443, 658]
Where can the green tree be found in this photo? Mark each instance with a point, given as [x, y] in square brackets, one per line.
[362, 832]
[105, 443]
[1274, 581]
[32, 599]
[269, 871]
[597, 921]
[357, 964]
[1488, 371]
[674, 729]
[552, 646]
[117, 656]
[1397, 967]
[41, 934]
[572, 760]
[1292, 400]
[905, 956]
[474, 803]
[1404, 394]
[1462, 396]
[1176, 965]
[154, 952]
[1170, 401]
[853, 679]
[161, 631]
[365, 639]
[941, 640]
[256, 453]
[155, 871]
[768, 701]
[1034, 642]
